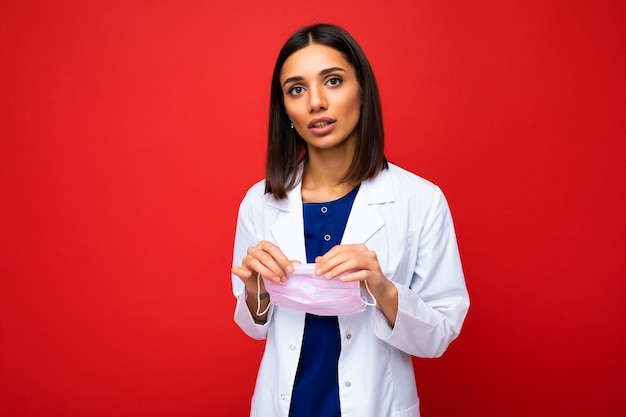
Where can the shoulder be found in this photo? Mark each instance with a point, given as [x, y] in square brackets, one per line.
[255, 194]
[252, 204]
[415, 192]
[256, 190]
[423, 199]
[404, 181]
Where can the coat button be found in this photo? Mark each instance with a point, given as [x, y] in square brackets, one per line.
[292, 347]
[326, 238]
[324, 209]
[348, 384]
[348, 336]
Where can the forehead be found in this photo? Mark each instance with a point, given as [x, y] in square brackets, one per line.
[312, 59]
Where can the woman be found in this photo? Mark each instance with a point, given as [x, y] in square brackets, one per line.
[330, 198]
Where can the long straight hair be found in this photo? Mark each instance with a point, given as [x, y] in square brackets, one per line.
[286, 150]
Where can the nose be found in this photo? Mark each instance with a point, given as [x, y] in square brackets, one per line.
[317, 99]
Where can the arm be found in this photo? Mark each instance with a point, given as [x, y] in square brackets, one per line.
[431, 310]
[258, 258]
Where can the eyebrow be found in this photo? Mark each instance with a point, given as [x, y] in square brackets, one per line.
[322, 72]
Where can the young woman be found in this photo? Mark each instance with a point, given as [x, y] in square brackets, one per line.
[331, 198]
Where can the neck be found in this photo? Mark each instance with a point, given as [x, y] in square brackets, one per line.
[322, 177]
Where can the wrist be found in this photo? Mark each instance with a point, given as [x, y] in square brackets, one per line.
[254, 294]
[258, 301]
[386, 291]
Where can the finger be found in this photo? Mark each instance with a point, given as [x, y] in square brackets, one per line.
[273, 259]
[354, 275]
[262, 255]
[329, 259]
[346, 258]
[252, 263]
[268, 260]
[341, 262]
[277, 255]
[244, 274]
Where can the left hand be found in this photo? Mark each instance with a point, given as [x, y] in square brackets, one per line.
[357, 262]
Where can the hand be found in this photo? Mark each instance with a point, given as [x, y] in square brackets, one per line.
[357, 262]
[265, 259]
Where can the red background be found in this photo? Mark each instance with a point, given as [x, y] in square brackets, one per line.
[130, 131]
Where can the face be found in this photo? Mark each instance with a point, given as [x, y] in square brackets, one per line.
[322, 96]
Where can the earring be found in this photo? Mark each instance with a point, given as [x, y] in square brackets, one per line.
[292, 125]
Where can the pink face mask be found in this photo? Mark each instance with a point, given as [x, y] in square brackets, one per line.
[305, 291]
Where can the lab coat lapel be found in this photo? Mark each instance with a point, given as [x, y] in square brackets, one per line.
[288, 229]
[364, 220]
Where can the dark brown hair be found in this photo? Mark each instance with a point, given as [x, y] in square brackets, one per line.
[286, 149]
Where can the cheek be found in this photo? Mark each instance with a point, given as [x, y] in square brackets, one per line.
[293, 111]
[353, 107]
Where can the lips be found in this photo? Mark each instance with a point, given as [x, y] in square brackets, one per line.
[320, 123]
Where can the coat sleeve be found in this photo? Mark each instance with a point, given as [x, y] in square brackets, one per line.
[431, 310]
[246, 236]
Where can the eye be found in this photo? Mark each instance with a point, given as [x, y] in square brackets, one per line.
[334, 81]
[296, 90]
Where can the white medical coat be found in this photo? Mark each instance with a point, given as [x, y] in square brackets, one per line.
[405, 219]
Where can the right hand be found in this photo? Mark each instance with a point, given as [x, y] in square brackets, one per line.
[265, 259]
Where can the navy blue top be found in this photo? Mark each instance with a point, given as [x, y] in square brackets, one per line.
[316, 388]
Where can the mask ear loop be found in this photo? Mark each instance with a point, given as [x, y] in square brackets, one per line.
[258, 297]
[364, 299]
